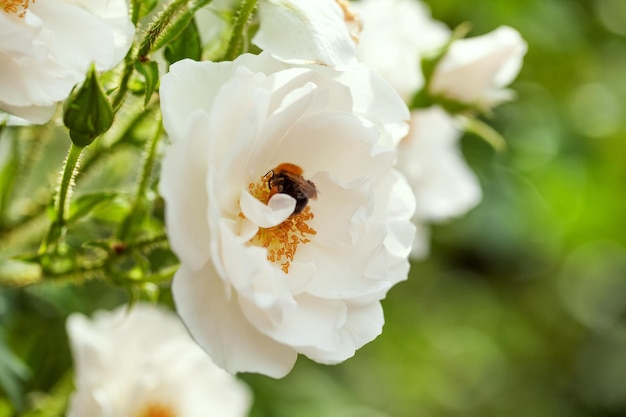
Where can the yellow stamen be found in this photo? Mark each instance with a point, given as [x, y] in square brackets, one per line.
[17, 7]
[157, 410]
[354, 23]
[282, 240]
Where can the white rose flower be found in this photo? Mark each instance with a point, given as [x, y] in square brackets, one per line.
[297, 30]
[443, 184]
[395, 35]
[266, 274]
[475, 71]
[46, 47]
[143, 363]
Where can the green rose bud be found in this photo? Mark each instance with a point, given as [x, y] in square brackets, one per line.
[87, 112]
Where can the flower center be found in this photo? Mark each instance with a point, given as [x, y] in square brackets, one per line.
[156, 410]
[17, 7]
[282, 240]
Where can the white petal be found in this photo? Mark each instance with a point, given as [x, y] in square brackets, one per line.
[189, 86]
[28, 82]
[314, 322]
[474, 70]
[114, 13]
[319, 141]
[421, 243]
[32, 114]
[259, 281]
[79, 36]
[218, 325]
[432, 161]
[274, 213]
[340, 270]
[395, 35]
[316, 31]
[363, 324]
[183, 186]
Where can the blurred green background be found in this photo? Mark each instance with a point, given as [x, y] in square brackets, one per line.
[521, 309]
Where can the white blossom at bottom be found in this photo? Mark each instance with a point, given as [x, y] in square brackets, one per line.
[141, 362]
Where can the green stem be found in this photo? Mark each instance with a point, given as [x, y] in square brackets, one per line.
[146, 173]
[236, 42]
[62, 201]
[158, 27]
[71, 165]
[129, 67]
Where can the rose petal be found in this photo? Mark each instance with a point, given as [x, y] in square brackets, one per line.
[317, 31]
[363, 324]
[229, 338]
[278, 208]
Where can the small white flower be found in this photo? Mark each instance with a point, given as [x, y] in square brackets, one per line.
[443, 184]
[395, 36]
[143, 363]
[259, 282]
[475, 71]
[305, 30]
[46, 47]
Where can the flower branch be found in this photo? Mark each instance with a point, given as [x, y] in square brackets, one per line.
[236, 42]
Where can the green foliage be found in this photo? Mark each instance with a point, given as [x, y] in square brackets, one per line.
[150, 72]
[186, 45]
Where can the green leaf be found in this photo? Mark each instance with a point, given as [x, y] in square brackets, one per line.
[87, 113]
[144, 7]
[84, 204]
[12, 373]
[150, 72]
[187, 45]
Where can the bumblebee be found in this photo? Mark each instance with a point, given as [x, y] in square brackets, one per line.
[287, 178]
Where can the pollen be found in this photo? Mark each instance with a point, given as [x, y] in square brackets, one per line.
[283, 240]
[17, 7]
[156, 410]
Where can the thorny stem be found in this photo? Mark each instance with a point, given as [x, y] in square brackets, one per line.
[235, 44]
[97, 269]
[129, 67]
[158, 27]
[71, 167]
[62, 201]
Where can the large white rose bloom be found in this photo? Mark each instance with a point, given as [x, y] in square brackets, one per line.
[258, 282]
[395, 36]
[46, 47]
[475, 71]
[430, 158]
[142, 363]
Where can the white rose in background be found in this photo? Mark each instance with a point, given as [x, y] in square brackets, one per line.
[46, 47]
[304, 30]
[260, 283]
[141, 362]
[395, 36]
[430, 158]
[475, 71]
